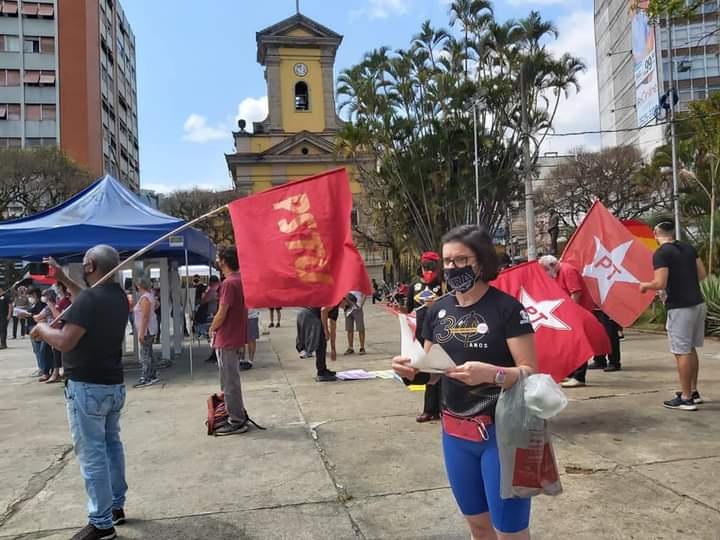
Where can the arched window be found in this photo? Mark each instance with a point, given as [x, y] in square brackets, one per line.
[302, 97]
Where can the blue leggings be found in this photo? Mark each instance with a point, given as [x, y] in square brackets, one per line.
[473, 469]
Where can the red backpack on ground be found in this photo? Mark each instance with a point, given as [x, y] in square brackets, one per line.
[218, 416]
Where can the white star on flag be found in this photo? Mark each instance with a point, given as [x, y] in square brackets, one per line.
[541, 312]
[607, 267]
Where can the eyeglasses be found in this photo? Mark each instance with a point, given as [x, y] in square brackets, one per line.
[460, 261]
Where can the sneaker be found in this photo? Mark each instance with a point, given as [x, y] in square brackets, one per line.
[326, 377]
[612, 368]
[231, 429]
[697, 400]
[91, 532]
[595, 365]
[118, 516]
[245, 365]
[271, 325]
[572, 383]
[349, 351]
[305, 354]
[681, 404]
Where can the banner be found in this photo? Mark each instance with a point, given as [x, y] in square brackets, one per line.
[613, 262]
[566, 334]
[295, 244]
[645, 64]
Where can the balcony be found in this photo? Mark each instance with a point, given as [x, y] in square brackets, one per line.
[10, 94]
[38, 27]
[40, 94]
[10, 128]
[10, 60]
[9, 25]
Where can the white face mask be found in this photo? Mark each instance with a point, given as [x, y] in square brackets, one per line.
[32, 301]
[43, 299]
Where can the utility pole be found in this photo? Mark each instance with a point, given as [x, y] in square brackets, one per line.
[673, 146]
[529, 196]
[477, 164]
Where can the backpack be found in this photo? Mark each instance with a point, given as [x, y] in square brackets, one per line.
[218, 415]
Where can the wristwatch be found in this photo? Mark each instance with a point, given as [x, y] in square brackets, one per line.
[500, 376]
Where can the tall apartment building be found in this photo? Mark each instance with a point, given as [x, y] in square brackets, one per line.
[696, 71]
[67, 78]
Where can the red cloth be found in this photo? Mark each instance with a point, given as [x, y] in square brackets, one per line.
[566, 335]
[295, 243]
[613, 262]
[430, 256]
[571, 281]
[232, 334]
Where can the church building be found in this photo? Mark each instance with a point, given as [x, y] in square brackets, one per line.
[298, 137]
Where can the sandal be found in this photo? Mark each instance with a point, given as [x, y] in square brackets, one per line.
[349, 351]
[362, 351]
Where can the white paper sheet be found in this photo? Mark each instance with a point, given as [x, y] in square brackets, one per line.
[436, 361]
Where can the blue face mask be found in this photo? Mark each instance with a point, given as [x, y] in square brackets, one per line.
[460, 279]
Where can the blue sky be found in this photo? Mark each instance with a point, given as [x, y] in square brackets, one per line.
[197, 71]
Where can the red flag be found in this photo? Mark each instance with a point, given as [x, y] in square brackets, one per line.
[295, 244]
[566, 334]
[613, 262]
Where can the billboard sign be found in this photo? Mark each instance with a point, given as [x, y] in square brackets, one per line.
[645, 64]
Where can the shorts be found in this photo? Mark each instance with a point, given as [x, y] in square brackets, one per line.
[334, 313]
[356, 321]
[473, 470]
[686, 328]
[253, 329]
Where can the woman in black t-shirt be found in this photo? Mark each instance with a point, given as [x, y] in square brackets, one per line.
[488, 334]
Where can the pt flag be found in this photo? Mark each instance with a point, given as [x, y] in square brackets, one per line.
[566, 334]
[613, 262]
[295, 244]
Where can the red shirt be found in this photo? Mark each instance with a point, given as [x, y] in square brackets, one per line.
[572, 282]
[232, 334]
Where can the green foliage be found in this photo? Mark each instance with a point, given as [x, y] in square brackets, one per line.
[411, 121]
[711, 291]
[659, 9]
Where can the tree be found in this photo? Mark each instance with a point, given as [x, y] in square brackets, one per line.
[193, 203]
[32, 180]
[615, 176]
[657, 9]
[411, 128]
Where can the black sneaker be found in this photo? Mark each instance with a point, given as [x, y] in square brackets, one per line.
[118, 516]
[231, 429]
[612, 368]
[245, 365]
[91, 532]
[697, 400]
[595, 365]
[326, 376]
[680, 404]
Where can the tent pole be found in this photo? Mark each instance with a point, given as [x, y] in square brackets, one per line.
[187, 303]
[147, 248]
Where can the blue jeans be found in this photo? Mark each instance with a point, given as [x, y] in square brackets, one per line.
[94, 417]
[43, 356]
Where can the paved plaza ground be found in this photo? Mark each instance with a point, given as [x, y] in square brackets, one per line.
[347, 460]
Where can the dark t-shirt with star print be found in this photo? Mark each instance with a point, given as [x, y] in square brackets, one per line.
[475, 333]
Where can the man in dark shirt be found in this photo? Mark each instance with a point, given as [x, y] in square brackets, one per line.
[91, 341]
[679, 270]
[6, 307]
[421, 296]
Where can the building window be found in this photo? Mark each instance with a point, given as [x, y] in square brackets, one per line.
[47, 45]
[31, 45]
[10, 111]
[39, 78]
[9, 77]
[35, 9]
[302, 97]
[9, 8]
[36, 142]
[9, 44]
[10, 142]
[37, 113]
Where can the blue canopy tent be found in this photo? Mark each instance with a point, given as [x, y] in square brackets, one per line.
[108, 213]
[104, 213]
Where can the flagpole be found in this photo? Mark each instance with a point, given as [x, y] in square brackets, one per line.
[144, 250]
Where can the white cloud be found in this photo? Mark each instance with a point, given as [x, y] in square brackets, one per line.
[580, 111]
[197, 130]
[381, 9]
[252, 110]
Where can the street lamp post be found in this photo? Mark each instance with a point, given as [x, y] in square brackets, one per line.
[673, 146]
[529, 195]
[477, 164]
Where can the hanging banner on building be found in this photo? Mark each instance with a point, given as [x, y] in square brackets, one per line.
[645, 63]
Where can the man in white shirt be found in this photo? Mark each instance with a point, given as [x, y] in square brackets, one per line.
[355, 319]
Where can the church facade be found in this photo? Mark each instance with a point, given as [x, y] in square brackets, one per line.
[298, 137]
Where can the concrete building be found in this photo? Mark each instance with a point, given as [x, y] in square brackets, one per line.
[67, 78]
[298, 137]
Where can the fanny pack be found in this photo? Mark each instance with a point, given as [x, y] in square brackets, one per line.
[470, 428]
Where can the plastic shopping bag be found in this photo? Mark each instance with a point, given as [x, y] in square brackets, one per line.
[543, 396]
[527, 462]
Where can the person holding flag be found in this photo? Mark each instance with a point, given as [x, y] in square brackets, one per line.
[489, 335]
[678, 270]
[422, 294]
